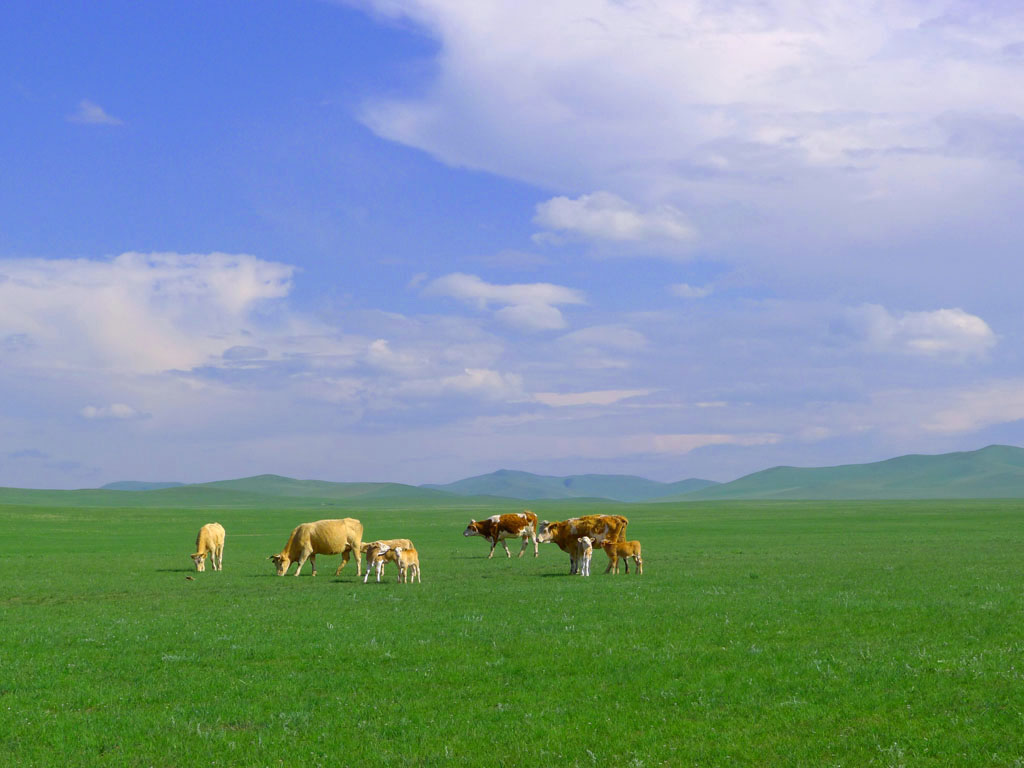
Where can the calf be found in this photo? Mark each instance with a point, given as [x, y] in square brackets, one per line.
[210, 541]
[408, 565]
[585, 550]
[497, 528]
[373, 549]
[566, 533]
[381, 557]
[625, 550]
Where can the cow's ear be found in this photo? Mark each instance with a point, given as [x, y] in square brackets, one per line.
[472, 521]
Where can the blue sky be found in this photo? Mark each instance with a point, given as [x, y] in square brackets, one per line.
[417, 240]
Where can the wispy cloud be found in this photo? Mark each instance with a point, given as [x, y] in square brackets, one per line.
[950, 334]
[687, 291]
[605, 216]
[526, 306]
[91, 113]
[599, 397]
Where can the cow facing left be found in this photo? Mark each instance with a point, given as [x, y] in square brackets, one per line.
[210, 541]
[324, 537]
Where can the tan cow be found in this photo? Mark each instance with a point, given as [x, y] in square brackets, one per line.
[566, 533]
[374, 552]
[408, 565]
[625, 550]
[324, 537]
[210, 541]
[519, 525]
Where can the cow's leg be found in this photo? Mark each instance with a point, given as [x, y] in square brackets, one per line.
[526, 540]
[639, 564]
[494, 543]
[220, 558]
[343, 563]
[536, 547]
[300, 562]
[505, 545]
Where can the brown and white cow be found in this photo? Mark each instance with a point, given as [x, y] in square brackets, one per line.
[519, 525]
[624, 550]
[210, 541]
[566, 533]
[374, 554]
[324, 537]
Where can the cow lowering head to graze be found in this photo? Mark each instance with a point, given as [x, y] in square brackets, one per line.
[210, 541]
[324, 537]
[408, 565]
[585, 550]
[374, 554]
[624, 550]
[566, 533]
[519, 525]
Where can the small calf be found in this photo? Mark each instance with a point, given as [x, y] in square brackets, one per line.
[210, 541]
[378, 557]
[625, 550]
[408, 565]
[585, 550]
[373, 551]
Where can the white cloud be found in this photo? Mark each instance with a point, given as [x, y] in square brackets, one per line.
[765, 121]
[951, 334]
[598, 397]
[90, 113]
[117, 411]
[136, 313]
[997, 402]
[526, 306]
[687, 291]
[605, 216]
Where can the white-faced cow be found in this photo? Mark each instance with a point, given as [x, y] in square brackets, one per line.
[567, 533]
[324, 537]
[210, 541]
[585, 551]
[520, 525]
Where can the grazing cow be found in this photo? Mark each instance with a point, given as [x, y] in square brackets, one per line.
[585, 550]
[566, 533]
[625, 550]
[520, 525]
[374, 551]
[408, 565]
[324, 537]
[210, 541]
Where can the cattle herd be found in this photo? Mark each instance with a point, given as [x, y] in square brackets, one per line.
[577, 537]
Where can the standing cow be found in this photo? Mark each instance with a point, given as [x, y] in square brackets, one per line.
[324, 537]
[210, 541]
[567, 533]
[520, 525]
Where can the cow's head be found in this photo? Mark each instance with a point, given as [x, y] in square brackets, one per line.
[281, 563]
[585, 543]
[473, 529]
[200, 561]
[545, 533]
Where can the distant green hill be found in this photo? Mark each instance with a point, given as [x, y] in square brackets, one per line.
[136, 485]
[262, 491]
[525, 485]
[993, 472]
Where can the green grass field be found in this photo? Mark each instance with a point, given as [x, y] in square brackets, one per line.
[810, 633]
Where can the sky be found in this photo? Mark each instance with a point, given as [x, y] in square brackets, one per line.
[420, 240]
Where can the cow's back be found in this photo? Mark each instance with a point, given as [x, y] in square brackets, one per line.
[329, 537]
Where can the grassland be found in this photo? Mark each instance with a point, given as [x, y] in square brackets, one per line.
[761, 633]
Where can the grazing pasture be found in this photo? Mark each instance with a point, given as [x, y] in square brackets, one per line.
[809, 633]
